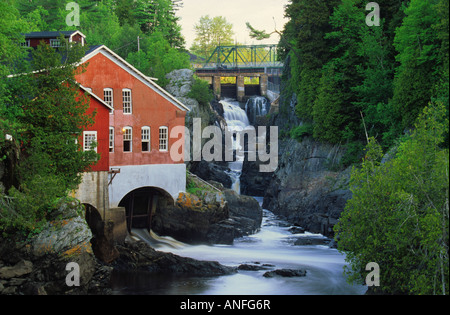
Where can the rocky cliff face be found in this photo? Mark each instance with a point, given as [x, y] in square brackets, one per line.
[306, 188]
[180, 84]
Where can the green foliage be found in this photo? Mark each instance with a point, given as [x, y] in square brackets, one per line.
[11, 25]
[159, 15]
[342, 70]
[418, 47]
[305, 33]
[201, 92]
[157, 58]
[49, 112]
[328, 110]
[398, 215]
[300, 132]
[210, 33]
[26, 210]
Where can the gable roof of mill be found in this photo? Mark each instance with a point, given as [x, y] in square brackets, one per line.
[93, 51]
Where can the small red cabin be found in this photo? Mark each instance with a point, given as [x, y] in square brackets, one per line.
[52, 38]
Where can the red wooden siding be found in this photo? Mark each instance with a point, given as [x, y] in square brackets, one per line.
[101, 126]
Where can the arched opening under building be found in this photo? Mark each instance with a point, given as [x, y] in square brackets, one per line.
[141, 205]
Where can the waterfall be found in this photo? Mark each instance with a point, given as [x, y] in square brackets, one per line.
[237, 120]
[156, 241]
[256, 106]
[234, 115]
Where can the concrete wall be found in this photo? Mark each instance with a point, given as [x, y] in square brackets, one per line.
[170, 177]
[93, 190]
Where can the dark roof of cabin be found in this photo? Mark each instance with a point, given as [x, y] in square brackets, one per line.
[48, 34]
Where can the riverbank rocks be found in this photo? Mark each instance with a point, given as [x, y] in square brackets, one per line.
[191, 217]
[138, 256]
[210, 171]
[37, 265]
[67, 232]
[285, 273]
[246, 211]
[213, 217]
[22, 268]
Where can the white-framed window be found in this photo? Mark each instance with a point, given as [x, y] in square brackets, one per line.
[127, 101]
[127, 139]
[111, 139]
[108, 96]
[163, 139]
[89, 140]
[55, 43]
[26, 43]
[145, 132]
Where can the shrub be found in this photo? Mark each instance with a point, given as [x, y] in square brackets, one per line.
[300, 132]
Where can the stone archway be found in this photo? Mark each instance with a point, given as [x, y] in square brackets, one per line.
[141, 204]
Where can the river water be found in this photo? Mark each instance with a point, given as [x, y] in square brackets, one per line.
[272, 246]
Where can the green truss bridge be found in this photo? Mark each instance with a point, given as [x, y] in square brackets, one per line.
[256, 70]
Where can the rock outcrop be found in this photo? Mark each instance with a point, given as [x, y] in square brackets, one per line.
[191, 217]
[37, 265]
[210, 171]
[180, 84]
[217, 217]
[138, 256]
[307, 188]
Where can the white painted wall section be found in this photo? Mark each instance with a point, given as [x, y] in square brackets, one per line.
[171, 178]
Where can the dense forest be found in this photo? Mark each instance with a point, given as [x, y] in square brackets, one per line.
[346, 73]
[377, 90]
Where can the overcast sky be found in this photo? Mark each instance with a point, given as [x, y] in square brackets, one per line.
[260, 14]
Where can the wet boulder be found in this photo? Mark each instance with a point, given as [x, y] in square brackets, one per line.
[286, 273]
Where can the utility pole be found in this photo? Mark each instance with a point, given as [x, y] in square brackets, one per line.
[139, 44]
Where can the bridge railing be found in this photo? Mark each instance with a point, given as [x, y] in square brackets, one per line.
[232, 66]
[238, 56]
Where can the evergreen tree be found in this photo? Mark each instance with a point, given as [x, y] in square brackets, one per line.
[419, 48]
[347, 21]
[160, 15]
[50, 113]
[308, 24]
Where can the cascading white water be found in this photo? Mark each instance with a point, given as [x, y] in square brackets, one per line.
[273, 247]
[256, 106]
[156, 241]
[234, 115]
[259, 104]
[237, 120]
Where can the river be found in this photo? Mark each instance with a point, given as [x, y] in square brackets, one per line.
[272, 246]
